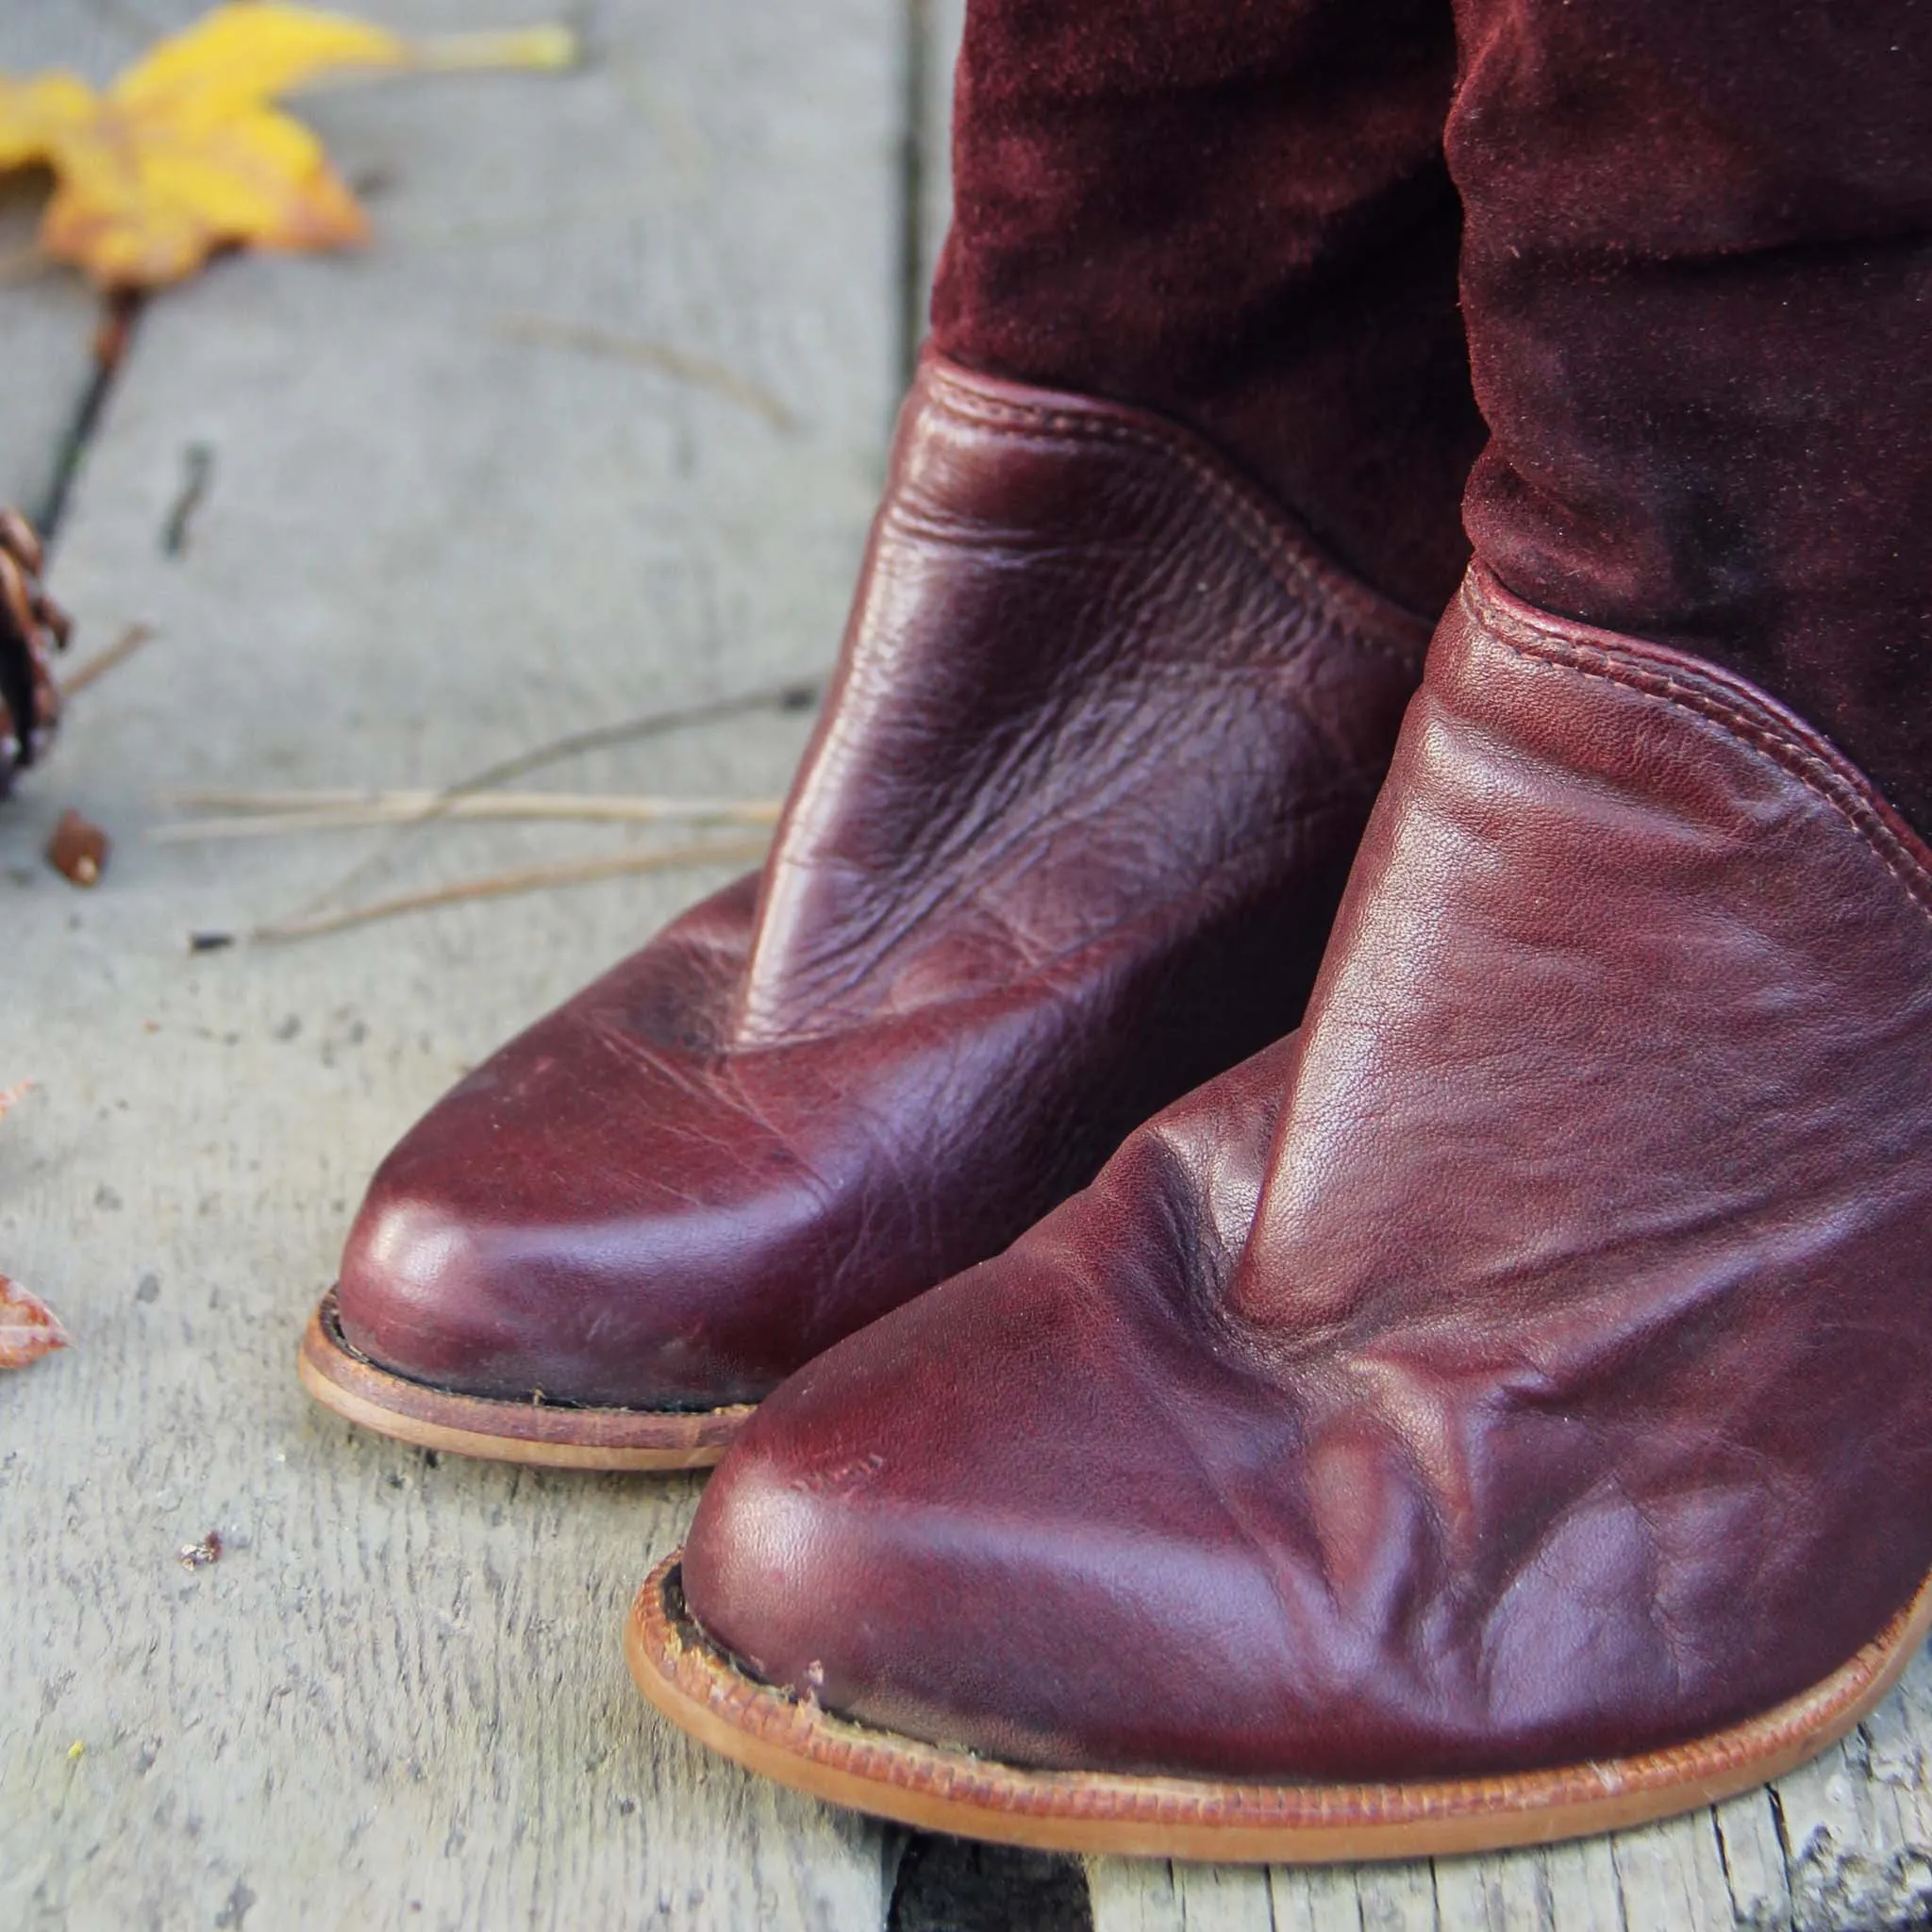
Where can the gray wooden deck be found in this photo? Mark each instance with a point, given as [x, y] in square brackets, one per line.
[433, 535]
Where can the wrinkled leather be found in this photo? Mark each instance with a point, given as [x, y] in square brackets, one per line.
[1068, 841]
[1527, 1363]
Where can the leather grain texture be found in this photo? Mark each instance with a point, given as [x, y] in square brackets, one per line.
[1068, 841]
[1528, 1362]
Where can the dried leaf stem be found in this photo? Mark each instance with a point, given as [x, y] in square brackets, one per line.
[274, 814]
[553, 49]
[543, 333]
[782, 697]
[123, 648]
[504, 883]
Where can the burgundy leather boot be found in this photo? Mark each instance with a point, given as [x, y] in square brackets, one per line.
[1502, 1409]
[1107, 727]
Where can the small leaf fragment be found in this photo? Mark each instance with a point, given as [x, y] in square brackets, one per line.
[78, 850]
[201, 1553]
[29, 1327]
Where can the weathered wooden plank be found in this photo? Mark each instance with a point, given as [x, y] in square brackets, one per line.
[1223, 1898]
[1857, 1846]
[1500, 1894]
[433, 535]
[1754, 1862]
[1315, 1899]
[1398, 1898]
[1671, 1875]
[1584, 1896]
[1133, 1895]
[1150, 1895]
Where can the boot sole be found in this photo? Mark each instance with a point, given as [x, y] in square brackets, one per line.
[932, 1788]
[540, 1434]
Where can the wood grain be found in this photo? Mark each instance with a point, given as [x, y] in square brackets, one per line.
[397, 1698]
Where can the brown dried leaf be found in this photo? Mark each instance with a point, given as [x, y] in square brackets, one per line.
[29, 1327]
[201, 1553]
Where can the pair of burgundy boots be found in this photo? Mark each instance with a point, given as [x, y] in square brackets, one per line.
[1345, 1219]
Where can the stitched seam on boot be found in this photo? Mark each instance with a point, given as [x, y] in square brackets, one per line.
[1821, 775]
[1253, 523]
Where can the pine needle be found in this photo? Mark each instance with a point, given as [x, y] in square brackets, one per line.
[272, 814]
[123, 648]
[783, 697]
[500, 885]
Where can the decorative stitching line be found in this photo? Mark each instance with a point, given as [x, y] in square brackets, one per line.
[1254, 521]
[1822, 775]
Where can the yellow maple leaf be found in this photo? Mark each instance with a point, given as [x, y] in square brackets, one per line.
[185, 153]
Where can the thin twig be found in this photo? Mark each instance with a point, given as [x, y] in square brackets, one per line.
[123, 648]
[283, 812]
[502, 885]
[554, 49]
[783, 697]
[542, 332]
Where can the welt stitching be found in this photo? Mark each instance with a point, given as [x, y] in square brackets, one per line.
[1248, 521]
[1818, 776]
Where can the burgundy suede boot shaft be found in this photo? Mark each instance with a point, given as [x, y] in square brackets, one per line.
[1698, 285]
[1238, 215]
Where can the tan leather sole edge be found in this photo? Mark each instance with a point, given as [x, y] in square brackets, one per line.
[497, 1431]
[936, 1790]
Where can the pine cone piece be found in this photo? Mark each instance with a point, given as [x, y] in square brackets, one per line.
[32, 629]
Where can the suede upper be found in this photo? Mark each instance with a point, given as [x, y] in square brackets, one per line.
[1237, 214]
[1697, 278]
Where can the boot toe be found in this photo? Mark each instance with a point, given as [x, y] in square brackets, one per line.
[595, 1215]
[939, 1527]
[427, 1289]
[532, 1247]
